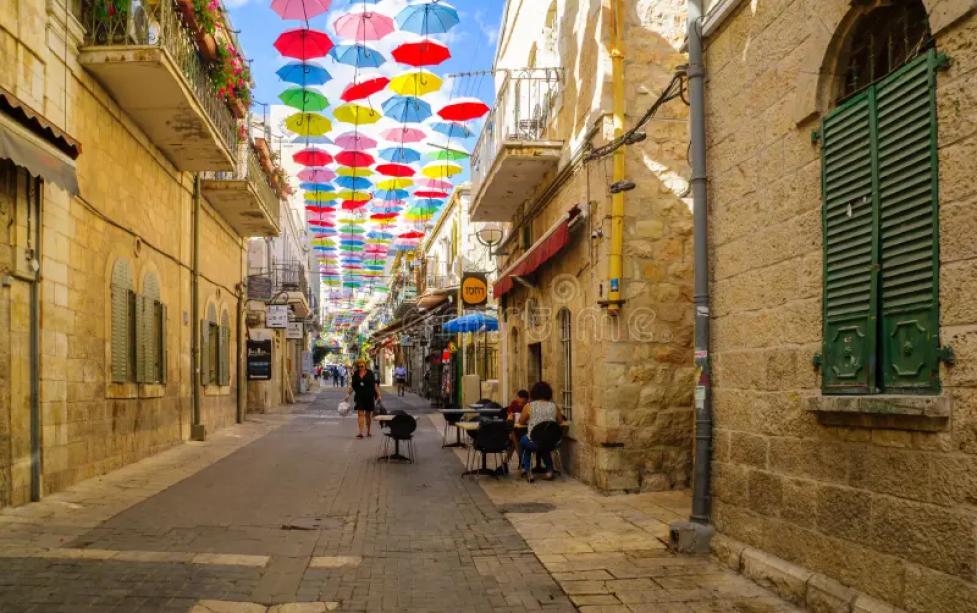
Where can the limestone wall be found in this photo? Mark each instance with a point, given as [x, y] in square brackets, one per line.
[891, 512]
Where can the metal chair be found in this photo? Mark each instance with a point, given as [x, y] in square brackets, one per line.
[548, 435]
[492, 438]
[400, 429]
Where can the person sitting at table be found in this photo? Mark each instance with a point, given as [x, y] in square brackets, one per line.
[512, 415]
[540, 408]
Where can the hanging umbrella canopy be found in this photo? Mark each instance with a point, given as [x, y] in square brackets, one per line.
[354, 159]
[319, 210]
[425, 193]
[303, 44]
[317, 175]
[319, 197]
[433, 17]
[355, 141]
[395, 183]
[436, 184]
[424, 52]
[391, 194]
[312, 156]
[359, 56]
[395, 170]
[440, 170]
[356, 114]
[303, 73]
[412, 234]
[406, 109]
[429, 203]
[320, 223]
[363, 26]
[354, 183]
[383, 216]
[304, 99]
[400, 155]
[364, 88]
[446, 154]
[308, 124]
[416, 83]
[353, 205]
[404, 135]
[452, 129]
[311, 140]
[354, 196]
[463, 109]
[380, 236]
[473, 322]
[347, 171]
[316, 187]
[300, 9]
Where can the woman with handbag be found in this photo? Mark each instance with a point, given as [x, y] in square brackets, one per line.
[366, 393]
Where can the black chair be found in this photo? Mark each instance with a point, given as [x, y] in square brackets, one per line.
[451, 419]
[492, 437]
[548, 435]
[400, 428]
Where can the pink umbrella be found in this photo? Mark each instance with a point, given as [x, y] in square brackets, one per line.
[317, 174]
[437, 184]
[464, 109]
[300, 9]
[404, 135]
[354, 141]
[364, 26]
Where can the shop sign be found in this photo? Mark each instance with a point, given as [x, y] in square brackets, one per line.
[474, 289]
[260, 287]
[277, 316]
[295, 331]
[259, 360]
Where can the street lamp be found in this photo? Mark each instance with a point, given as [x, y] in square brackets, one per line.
[490, 236]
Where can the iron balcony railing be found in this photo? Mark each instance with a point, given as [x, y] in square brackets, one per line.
[125, 23]
[290, 277]
[248, 168]
[440, 281]
[522, 113]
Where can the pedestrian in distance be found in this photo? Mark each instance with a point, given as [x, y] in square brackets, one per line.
[365, 389]
[540, 408]
[342, 375]
[400, 379]
[512, 416]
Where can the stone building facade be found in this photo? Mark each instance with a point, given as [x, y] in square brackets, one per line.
[115, 262]
[625, 381]
[846, 443]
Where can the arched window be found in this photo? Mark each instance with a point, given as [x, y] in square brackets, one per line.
[224, 372]
[565, 321]
[880, 210]
[209, 347]
[123, 300]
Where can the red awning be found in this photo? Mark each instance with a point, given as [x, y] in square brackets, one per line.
[555, 239]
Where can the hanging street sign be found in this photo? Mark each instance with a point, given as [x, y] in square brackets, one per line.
[259, 360]
[277, 316]
[295, 331]
[474, 290]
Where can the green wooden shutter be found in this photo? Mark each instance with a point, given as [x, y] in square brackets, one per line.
[908, 187]
[850, 242]
[205, 352]
[142, 340]
[120, 334]
[161, 316]
[225, 352]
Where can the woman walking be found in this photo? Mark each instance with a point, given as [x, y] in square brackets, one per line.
[366, 392]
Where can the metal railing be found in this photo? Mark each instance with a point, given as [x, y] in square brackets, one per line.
[157, 24]
[248, 168]
[290, 277]
[440, 281]
[523, 112]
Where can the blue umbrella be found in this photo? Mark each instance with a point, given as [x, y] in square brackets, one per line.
[473, 322]
[316, 187]
[354, 183]
[432, 203]
[357, 55]
[303, 73]
[406, 109]
[391, 194]
[452, 129]
[312, 140]
[400, 155]
[380, 235]
[428, 18]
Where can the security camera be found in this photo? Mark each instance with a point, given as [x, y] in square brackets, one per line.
[597, 234]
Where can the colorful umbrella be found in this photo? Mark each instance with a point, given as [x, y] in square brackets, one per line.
[395, 170]
[417, 83]
[440, 170]
[303, 44]
[347, 171]
[449, 155]
[316, 187]
[359, 56]
[303, 73]
[319, 197]
[355, 141]
[319, 210]
[355, 196]
[404, 135]
[430, 194]
[464, 109]
[437, 184]
[394, 183]
[300, 9]
[304, 99]
[354, 183]
[364, 26]
[311, 140]
[383, 216]
[312, 156]
[353, 205]
[425, 52]
[364, 88]
[452, 129]
[400, 155]
[356, 114]
[391, 194]
[354, 159]
[406, 109]
[308, 124]
[429, 18]
[317, 175]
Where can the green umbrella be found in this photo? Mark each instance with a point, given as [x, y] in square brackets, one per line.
[450, 155]
[304, 99]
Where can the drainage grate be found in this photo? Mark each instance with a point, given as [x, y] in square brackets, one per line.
[528, 507]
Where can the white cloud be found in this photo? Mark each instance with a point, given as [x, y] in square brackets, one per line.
[489, 31]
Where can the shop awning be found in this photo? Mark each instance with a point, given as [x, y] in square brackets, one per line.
[548, 245]
[30, 141]
[429, 301]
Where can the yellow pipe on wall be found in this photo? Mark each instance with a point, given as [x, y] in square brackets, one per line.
[616, 255]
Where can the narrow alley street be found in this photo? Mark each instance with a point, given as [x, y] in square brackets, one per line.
[292, 508]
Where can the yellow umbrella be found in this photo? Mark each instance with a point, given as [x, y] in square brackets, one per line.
[437, 171]
[354, 196]
[416, 83]
[394, 184]
[308, 124]
[349, 171]
[351, 220]
[356, 114]
[319, 196]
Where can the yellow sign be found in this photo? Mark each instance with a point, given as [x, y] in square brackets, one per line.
[474, 289]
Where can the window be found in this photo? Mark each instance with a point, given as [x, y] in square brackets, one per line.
[122, 349]
[209, 341]
[149, 325]
[224, 353]
[566, 356]
[881, 250]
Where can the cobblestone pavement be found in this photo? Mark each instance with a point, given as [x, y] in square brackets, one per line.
[288, 509]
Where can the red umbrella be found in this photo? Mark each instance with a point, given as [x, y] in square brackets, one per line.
[312, 157]
[303, 44]
[321, 223]
[352, 205]
[411, 235]
[464, 110]
[424, 52]
[395, 170]
[383, 216]
[430, 194]
[319, 210]
[356, 159]
[365, 88]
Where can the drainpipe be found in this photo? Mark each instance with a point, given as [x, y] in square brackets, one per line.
[197, 431]
[242, 383]
[34, 256]
[694, 536]
[616, 255]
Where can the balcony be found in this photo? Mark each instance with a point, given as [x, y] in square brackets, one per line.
[244, 197]
[517, 147]
[291, 286]
[148, 61]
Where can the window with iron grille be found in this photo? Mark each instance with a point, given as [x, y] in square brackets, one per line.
[880, 216]
[566, 346]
